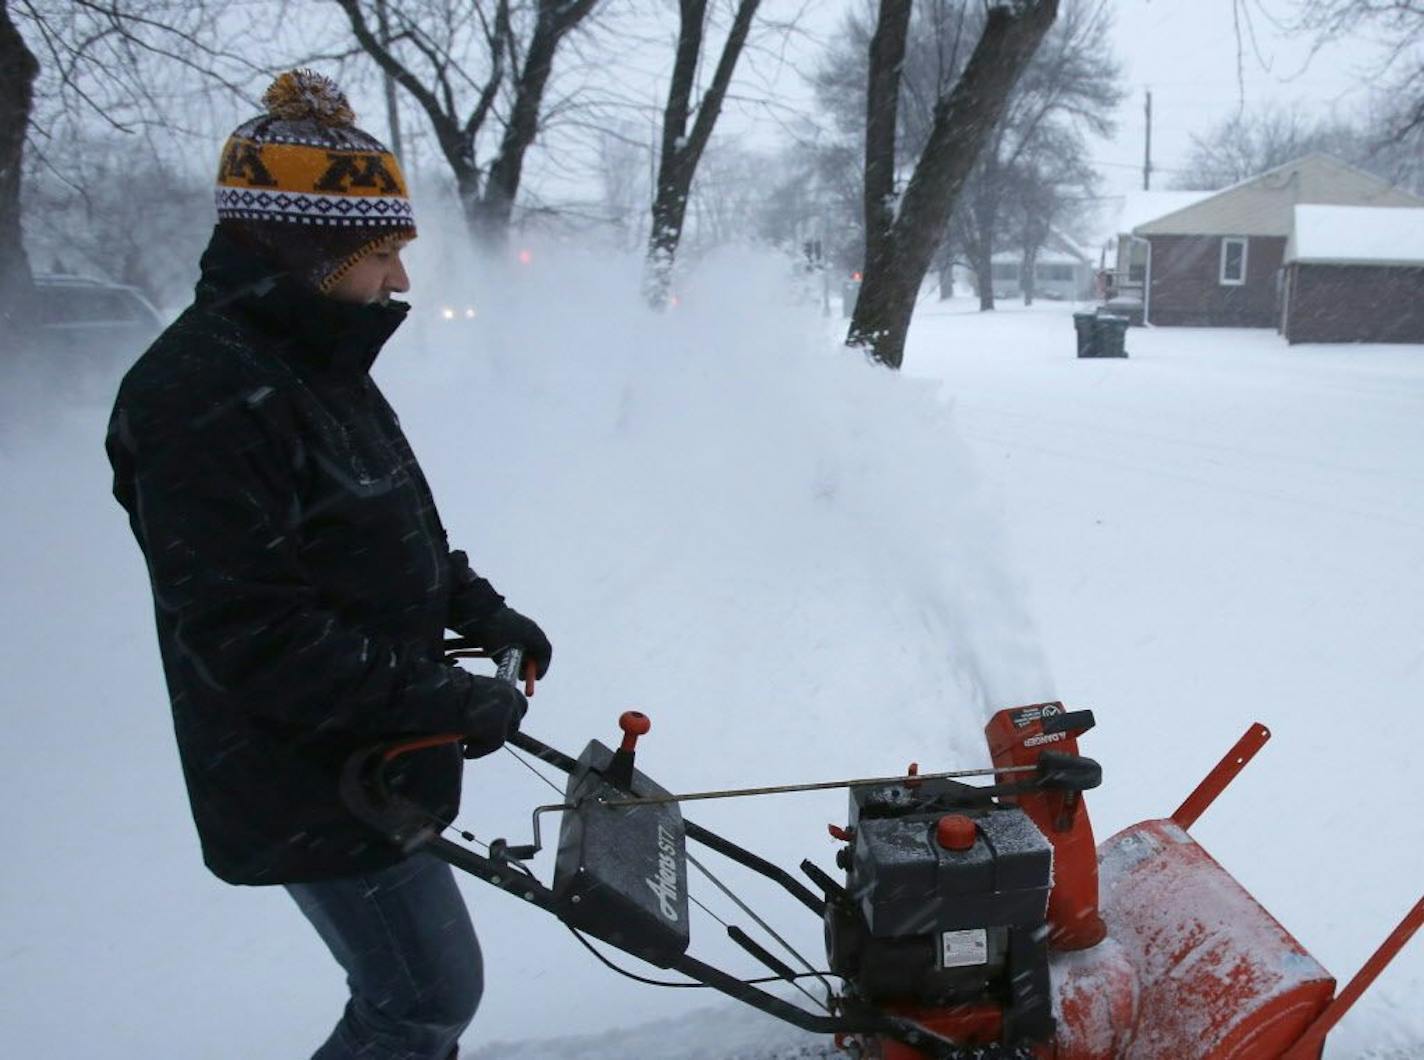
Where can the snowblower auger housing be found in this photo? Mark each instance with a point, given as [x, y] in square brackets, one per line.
[621, 871]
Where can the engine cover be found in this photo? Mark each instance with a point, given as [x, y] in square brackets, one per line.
[924, 923]
[621, 872]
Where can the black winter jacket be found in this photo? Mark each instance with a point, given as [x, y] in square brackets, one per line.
[301, 577]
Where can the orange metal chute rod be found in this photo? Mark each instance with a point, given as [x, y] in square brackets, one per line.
[1308, 1046]
[1225, 771]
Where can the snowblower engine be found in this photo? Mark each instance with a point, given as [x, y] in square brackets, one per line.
[944, 908]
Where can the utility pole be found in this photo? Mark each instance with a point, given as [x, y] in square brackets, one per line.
[1147, 157]
[392, 109]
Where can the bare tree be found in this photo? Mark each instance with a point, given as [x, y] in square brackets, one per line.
[456, 60]
[1253, 141]
[124, 206]
[1047, 188]
[1071, 86]
[111, 66]
[882, 104]
[1399, 27]
[938, 39]
[1249, 143]
[682, 148]
[1069, 90]
[623, 178]
[901, 238]
[723, 202]
[18, 68]
[814, 188]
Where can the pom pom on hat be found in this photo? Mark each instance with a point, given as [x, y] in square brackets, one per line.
[305, 95]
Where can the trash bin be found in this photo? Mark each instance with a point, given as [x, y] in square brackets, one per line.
[1109, 333]
[1084, 324]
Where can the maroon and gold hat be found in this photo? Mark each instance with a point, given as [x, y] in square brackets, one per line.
[307, 188]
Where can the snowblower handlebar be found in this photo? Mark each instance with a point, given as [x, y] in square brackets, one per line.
[511, 663]
[510, 667]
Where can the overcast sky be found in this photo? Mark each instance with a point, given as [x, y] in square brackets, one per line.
[1185, 51]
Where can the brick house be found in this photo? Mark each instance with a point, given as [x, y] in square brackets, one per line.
[1354, 274]
[1216, 261]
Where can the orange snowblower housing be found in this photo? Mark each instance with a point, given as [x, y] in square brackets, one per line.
[1019, 737]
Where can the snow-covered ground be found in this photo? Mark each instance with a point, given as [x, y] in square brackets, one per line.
[802, 567]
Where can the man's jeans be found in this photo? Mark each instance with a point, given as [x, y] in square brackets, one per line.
[411, 959]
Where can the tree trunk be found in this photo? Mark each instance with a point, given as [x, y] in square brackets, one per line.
[388, 83]
[467, 191]
[981, 254]
[1026, 274]
[681, 151]
[556, 19]
[983, 217]
[882, 101]
[18, 69]
[963, 122]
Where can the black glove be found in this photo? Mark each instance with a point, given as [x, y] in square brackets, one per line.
[492, 714]
[507, 628]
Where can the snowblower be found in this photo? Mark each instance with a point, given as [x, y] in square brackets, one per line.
[969, 920]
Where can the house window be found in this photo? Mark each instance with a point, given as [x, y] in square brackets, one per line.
[1233, 261]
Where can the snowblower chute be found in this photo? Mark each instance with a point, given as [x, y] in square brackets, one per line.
[971, 920]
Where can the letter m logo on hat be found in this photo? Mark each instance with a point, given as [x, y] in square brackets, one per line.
[346, 172]
[242, 163]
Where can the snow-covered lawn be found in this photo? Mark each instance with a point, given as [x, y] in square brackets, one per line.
[1222, 529]
[802, 568]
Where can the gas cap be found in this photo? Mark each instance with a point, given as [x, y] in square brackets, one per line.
[954, 831]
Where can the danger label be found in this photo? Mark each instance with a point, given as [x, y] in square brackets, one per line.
[1031, 714]
[964, 949]
[1043, 738]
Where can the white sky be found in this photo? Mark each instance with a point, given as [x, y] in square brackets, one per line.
[1185, 51]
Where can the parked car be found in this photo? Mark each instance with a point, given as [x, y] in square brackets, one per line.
[82, 315]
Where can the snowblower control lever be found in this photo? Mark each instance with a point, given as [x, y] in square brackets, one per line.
[1059, 771]
[634, 724]
[1074, 723]
[620, 771]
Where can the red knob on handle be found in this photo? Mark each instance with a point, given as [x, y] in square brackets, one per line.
[634, 723]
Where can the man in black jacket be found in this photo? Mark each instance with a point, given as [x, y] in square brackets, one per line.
[302, 580]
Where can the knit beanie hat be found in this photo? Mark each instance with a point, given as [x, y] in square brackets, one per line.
[306, 188]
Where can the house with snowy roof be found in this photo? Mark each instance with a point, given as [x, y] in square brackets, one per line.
[1216, 259]
[1354, 274]
[1062, 271]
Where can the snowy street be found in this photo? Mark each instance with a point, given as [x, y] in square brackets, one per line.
[802, 568]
